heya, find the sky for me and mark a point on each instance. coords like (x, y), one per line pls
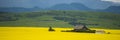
(95, 4)
(115, 1)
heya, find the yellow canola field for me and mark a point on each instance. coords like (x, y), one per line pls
(32, 33)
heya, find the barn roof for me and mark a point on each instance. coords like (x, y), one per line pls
(79, 27)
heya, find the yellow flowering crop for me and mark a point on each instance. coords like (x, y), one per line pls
(30, 33)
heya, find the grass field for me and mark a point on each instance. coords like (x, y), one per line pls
(35, 33)
(60, 18)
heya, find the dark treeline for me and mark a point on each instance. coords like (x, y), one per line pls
(6, 16)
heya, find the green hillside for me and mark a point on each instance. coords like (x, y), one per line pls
(60, 18)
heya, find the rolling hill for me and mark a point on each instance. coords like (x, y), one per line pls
(114, 9)
(72, 6)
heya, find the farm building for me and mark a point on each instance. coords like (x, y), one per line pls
(81, 28)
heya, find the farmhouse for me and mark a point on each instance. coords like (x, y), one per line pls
(80, 28)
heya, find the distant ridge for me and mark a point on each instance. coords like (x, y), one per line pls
(72, 6)
(63, 6)
(18, 9)
(114, 9)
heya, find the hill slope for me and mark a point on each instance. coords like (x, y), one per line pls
(19, 9)
(60, 18)
(72, 6)
(114, 9)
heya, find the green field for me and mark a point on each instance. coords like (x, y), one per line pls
(60, 18)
